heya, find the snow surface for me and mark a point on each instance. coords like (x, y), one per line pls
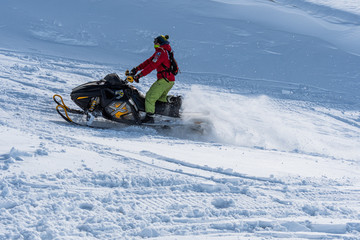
(276, 81)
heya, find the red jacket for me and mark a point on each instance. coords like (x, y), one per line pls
(155, 62)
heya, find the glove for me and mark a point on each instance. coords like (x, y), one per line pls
(133, 71)
(137, 77)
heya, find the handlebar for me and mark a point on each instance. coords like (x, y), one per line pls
(129, 77)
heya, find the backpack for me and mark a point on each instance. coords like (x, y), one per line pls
(174, 68)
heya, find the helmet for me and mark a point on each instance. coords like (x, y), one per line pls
(161, 40)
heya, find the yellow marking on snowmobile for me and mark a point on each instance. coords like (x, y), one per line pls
(64, 107)
(120, 113)
(119, 105)
(81, 98)
(62, 101)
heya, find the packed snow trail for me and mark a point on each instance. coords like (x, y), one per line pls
(63, 181)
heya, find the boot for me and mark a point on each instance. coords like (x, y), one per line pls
(169, 98)
(149, 118)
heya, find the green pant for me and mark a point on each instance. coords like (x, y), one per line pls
(157, 92)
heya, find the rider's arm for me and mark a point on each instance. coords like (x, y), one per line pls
(155, 61)
(146, 62)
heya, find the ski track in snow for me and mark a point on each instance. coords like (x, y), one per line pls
(111, 185)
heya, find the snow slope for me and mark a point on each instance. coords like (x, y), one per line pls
(277, 81)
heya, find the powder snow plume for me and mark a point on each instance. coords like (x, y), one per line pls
(263, 122)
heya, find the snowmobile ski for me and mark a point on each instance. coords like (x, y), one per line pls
(64, 111)
(62, 106)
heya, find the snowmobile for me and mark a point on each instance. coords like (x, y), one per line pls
(113, 99)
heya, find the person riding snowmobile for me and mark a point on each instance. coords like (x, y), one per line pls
(165, 79)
